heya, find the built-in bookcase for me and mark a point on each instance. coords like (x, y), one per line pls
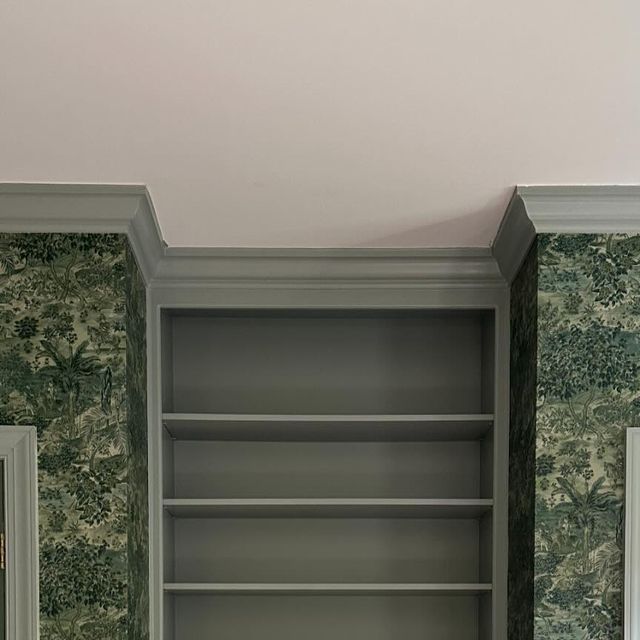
(328, 475)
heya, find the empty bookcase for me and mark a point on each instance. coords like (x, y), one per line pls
(328, 474)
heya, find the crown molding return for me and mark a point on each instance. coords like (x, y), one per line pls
(85, 208)
(514, 237)
(77, 208)
(563, 209)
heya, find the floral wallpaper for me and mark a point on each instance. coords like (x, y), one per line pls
(524, 301)
(72, 362)
(588, 388)
(137, 469)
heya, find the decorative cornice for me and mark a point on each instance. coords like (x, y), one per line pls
(327, 267)
(514, 237)
(582, 209)
(26, 207)
(49, 208)
(563, 209)
(85, 208)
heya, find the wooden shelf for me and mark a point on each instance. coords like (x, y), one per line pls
(327, 508)
(332, 472)
(327, 589)
(327, 428)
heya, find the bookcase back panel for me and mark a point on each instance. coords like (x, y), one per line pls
(324, 617)
(331, 550)
(326, 469)
(402, 363)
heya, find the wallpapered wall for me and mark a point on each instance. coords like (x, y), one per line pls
(588, 393)
(72, 362)
(522, 459)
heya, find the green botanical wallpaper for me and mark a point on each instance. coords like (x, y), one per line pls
(522, 463)
(138, 505)
(72, 362)
(588, 379)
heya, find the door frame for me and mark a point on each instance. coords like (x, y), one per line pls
(18, 450)
(632, 537)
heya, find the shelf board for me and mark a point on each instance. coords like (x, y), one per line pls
(471, 589)
(327, 508)
(327, 428)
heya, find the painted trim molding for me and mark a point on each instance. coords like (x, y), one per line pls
(632, 537)
(29, 207)
(563, 209)
(326, 267)
(18, 450)
(515, 235)
(64, 208)
(583, 209)
(85, 208)
(39, 207)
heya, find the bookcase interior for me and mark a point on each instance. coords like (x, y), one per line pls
(328, 473)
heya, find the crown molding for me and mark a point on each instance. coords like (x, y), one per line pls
(85, 208)
(563, 209)
(128, 209)
(515, 235)
(582, 209)
(198, 267)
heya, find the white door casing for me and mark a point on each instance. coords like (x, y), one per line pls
(632, 537)
(18, 449)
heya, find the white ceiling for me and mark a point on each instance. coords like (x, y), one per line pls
(319, 123)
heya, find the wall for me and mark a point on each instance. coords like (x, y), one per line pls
(524, 299)
(588, 384)
(72, 362)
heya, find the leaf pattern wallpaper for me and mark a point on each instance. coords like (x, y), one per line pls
(522, 448)
(588, 393)
(73, 363)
